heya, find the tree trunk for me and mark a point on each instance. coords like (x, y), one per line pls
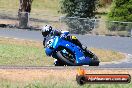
(23, 20)
(23, 13)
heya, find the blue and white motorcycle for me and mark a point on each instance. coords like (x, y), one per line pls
(68, 53)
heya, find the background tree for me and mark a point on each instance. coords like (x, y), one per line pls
(23, 12)
(121, 11)
(103, 3)
(79, 9)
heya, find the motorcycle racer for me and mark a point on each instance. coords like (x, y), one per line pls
(49, 33)
(48, 30)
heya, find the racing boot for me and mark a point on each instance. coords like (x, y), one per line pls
(58, 63)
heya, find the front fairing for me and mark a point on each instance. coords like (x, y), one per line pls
(51, 45)
(48, 51)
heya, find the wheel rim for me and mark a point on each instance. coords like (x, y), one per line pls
(65, 53)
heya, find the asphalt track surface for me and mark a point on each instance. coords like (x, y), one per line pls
(62, 68)
(121, 44)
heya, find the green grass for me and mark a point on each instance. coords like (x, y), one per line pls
(50, 84)
(23, 55)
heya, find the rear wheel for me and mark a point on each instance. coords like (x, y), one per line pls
(94, 59)
(94, 63)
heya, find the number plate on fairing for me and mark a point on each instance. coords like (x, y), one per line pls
(50, 43)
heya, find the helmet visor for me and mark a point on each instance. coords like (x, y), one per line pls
(45, 33)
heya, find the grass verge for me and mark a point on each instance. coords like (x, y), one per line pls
(108, 55)
(31, 53)
(38, 84)
(23, 53)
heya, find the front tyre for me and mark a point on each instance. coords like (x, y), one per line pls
(68, 57)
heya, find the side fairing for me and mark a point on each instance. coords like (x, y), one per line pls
(51, 45)
(56, 42)
(80, 57)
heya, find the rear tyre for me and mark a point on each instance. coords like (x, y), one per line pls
(94, 59)
(94, 63)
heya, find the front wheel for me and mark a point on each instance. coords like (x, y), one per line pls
(66, 56)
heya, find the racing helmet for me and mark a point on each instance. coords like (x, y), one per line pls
(46, 30)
